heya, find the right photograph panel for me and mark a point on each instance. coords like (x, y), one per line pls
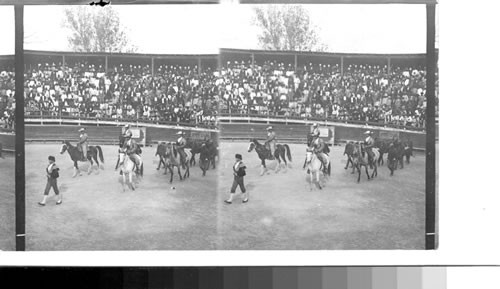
(323, 128)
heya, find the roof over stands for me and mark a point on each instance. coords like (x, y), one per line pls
(135, 55)
(312, 53)
(132, 2)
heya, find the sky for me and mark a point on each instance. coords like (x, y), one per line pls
(203, 29)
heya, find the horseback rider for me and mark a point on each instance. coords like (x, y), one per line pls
(271, 140)
(83, 143)
(132, 151)
(181, 144)
(314, 131)
(369, 143)
(127, 133)
(318, 147)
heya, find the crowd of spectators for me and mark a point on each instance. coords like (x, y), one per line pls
(7, 104)
(176, 94)
(364, 93)
(185, 94)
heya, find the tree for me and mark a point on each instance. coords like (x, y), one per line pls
(96, 29)
(287, 27)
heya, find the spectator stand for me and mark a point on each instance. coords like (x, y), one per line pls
(145, 87)
(368, 89)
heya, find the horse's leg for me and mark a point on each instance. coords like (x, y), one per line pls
(278, 166)
(159, 164)
(89, 170)
(77, 169)
(124, 181)
(171, 173)
(352, 163)
(131, 180)
(359, 172)
(317, 179)
(366, 170)
(347, 164)
(263, 165)
(311, 179)
(179, 172)
(186, 172)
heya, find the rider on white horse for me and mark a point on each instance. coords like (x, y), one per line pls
(83, 143)
(271, 140)
(131, 150)
(318, 147)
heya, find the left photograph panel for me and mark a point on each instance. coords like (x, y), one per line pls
(7, 130)
(120, 127)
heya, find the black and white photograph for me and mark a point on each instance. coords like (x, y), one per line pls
(325, 106)
(120, 127)
(7, 130)
(224, 127)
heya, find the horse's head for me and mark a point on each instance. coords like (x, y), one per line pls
(251, 146)
(169, 149)
(121, 155)
(64, 147)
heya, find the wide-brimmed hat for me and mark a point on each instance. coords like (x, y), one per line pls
(269, 128)
(368, 132)
(127, 125)
(238, 156)
(52, 158)
(180, 133)
(82, 129)
(315, 124)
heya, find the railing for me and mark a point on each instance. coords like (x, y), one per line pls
(224, 116)
(52, 116)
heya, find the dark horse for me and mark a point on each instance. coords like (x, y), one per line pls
(265, 154)
(360, 158)
(408, 150)
(349, 151)
(383, 148)
(77, 156)
(205, 158)
(394, 156)
(196, 148)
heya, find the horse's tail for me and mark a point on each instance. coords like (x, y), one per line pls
(288, 152)
(101, 156)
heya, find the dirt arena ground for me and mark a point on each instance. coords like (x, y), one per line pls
(384, 213)
(7, 203)
(97, 215)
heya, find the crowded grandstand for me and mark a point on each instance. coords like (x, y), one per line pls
(7, 106)
(179, 89)
(184, 93)
(323, 87)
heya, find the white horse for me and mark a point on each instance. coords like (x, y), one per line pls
(127, 168)
(315, 167)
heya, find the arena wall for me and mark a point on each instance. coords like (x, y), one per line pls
(297, 133)
(105, 134)
(8, 142)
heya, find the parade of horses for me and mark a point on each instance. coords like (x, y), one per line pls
(127, 192)
(363, 193)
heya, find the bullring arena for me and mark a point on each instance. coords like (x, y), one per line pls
(97, 215)
(7, 195)
(283, 213)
